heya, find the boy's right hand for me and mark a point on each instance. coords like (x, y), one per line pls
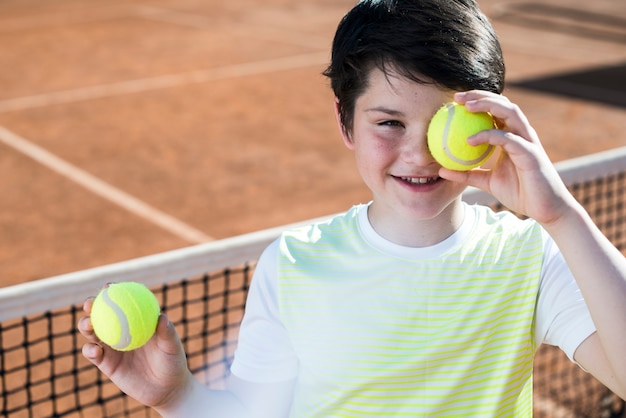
(155, 374)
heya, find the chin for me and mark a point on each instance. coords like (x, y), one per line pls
(420, 211)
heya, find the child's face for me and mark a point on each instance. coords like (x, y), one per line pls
(389, 140)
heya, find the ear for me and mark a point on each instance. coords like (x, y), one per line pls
(345, 135)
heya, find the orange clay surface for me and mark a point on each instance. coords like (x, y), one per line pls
(214, 115)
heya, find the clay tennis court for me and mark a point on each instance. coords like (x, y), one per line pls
(134, 127)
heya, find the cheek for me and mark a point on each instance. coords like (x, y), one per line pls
(374, 149)
(381, 150)
(374, 157)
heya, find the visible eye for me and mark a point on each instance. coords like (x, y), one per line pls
(391, 123)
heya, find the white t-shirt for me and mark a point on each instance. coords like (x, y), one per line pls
(265, 352)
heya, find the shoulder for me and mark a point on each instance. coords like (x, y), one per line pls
(490, 216)
(503, 222)
(321, 244)
(328, 229)
(505, 236)
(302, 235)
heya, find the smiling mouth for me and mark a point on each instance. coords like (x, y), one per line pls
(420, 180)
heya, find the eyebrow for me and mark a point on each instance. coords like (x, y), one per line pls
(388, 111)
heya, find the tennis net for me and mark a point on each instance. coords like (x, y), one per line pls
(203, 289)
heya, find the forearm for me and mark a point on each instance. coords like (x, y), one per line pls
(194, 400)
(600, 271)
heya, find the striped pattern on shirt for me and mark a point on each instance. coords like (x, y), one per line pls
(380, 335)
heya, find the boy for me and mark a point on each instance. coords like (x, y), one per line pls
(414, 304)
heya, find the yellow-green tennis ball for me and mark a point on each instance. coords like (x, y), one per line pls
(447, 137)
(125, 315)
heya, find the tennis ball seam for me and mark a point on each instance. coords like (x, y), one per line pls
(125, 335)
(447, 135)
(451, 110)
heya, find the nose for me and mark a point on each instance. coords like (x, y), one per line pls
(415, 150)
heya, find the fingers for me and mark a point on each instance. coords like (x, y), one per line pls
(509, 116)
(86, 329)
(84, 323)
(514, 134)
(105, 358)
(93, 352)
(88, 304)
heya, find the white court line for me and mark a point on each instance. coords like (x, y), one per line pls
(165, 81)
(106, 190)
(103, 189)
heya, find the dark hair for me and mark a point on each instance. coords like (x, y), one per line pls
(446, 42)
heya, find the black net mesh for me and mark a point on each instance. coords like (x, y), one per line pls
(43, 373)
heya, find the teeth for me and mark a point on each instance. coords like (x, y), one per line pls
(419, 180)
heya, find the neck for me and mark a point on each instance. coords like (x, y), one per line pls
(415, 231)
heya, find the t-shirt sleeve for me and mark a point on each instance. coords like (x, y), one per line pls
(264, 352)
(562, 319)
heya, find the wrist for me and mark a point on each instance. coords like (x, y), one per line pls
(194, 400)
(572, 220)
(183, 399)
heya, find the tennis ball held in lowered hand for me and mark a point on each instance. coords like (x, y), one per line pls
(447, 137)
(124, 315)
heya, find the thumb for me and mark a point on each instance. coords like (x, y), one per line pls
(166, 336)
(477, 177)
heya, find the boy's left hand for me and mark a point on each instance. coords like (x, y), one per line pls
(523, 177)
(524, 180)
